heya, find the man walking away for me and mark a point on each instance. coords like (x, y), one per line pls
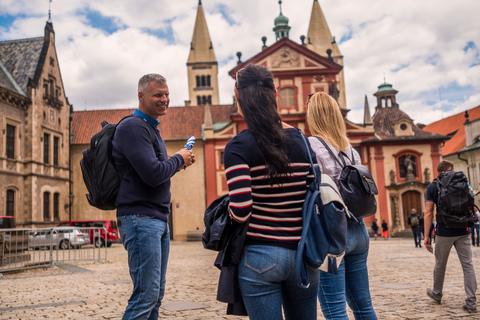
(143, 200)
(414, 222)
(446, 238)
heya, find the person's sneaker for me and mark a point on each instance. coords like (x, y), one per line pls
(469, 310)
(435, 297)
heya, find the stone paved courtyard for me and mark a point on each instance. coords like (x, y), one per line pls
(399, 277)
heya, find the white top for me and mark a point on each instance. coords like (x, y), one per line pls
(327, 164)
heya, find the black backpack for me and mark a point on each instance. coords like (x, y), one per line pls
(99, 172)
(357, 187)
(455, 204)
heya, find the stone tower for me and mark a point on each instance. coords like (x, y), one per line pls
(320, 40)
(202, 64)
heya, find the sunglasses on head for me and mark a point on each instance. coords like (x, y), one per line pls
(308, 97)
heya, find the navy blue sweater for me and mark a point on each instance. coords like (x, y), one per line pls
(145, 188)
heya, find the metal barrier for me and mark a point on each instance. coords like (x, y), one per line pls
(41, 248)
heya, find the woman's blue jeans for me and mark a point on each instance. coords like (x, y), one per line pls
(351, 282)
(267, 281)
(147, 241)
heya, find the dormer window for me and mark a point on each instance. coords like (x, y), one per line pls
(403, 127)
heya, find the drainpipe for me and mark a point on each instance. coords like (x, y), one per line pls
(468, 169)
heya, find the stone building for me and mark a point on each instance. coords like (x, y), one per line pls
(35, 120)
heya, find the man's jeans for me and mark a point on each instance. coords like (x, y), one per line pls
(475, 228)
(417, 236)
(351, 283)
(147, 241)
(443, 245)
(267, 281)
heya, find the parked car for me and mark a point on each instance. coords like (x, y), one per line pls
(7, 222)
(60, 237)
(98, 237)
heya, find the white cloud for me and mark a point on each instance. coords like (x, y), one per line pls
(419, 46)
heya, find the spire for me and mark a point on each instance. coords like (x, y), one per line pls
(49, 12)
(201, 48)
(319, 37)
(367, 117)
(281, 28)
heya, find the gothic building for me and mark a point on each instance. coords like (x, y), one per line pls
(35, 119)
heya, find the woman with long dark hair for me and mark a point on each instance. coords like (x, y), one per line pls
(326, 122)
(268, 171)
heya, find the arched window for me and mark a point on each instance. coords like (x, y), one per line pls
(389, 102)
(204, 100)
(383, 102)
(46, 206)
(208, 81)
(199, 101)
(209, 99)
(203, 81)
(198, 81)
(56, 206)
(287, 97)
(10, 209)
(10, 142)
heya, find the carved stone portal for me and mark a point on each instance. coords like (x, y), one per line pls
(396, 217)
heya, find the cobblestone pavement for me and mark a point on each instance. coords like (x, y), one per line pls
(399, 276)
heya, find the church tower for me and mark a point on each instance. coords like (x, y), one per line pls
(281, 29)
(202, 64)
(320, 40)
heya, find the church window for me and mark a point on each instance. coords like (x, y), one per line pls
(203, 81)
(56, 206)
(10, 209)
(198, 81)
(199, 100)
(56, 142)
(46, 206)
(208, 81)
(209, 99)
(204, 100)
(46, 147)
(10, 142)
(287, 97)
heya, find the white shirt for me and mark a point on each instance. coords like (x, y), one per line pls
(329, 165)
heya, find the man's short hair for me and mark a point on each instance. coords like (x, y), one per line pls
(444, 166)
(146, 79)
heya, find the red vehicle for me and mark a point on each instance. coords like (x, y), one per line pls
(97, 237)
(7, 222)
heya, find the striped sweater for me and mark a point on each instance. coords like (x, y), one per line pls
(275, 211)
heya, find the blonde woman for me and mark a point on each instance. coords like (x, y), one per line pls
(326, 122)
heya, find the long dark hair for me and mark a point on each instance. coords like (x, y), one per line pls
(256, 96)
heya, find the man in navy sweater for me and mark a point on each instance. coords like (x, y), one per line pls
(143, 200)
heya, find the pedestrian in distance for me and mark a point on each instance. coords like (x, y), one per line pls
(351, 284)
(446, 237)
(476, 229)
(385, 229)
(375, 229)
(143, 200)
(268, 172)
(414, 222)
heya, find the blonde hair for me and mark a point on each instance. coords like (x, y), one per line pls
(325, 120)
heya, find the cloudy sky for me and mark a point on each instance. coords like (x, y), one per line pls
(428, 50)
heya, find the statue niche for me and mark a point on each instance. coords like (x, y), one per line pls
(408, 167)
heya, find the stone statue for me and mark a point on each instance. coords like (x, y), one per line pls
(286, 58)
(426, 172)
(409, 168)
(393, 178)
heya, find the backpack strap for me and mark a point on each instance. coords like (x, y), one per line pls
(331, 152)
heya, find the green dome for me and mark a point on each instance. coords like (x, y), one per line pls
(281, 20)
(385, 87)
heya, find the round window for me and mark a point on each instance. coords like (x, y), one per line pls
(403, 126)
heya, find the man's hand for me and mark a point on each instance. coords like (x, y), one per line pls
(426, 242)
(188, 157)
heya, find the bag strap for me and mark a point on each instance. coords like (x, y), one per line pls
(331, 152)
(317, 178)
